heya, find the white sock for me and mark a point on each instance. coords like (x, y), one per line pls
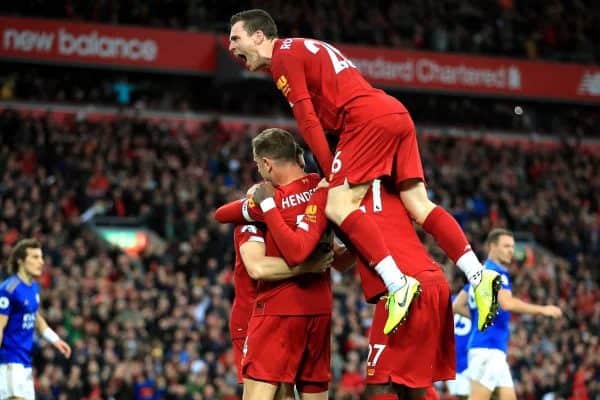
(393, 278)
(470, 265)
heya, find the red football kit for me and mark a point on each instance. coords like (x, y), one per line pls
(245, 292)
(422, 350)
(292, 317)
(327, 91)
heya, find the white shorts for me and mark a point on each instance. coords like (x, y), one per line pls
(16, 381)
(489, 368)
(460, 386)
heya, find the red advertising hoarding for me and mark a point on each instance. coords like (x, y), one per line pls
(480, 75)
(144, 48)
(63, 41)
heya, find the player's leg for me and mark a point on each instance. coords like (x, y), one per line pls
(264, 371)
(285, 392)
(438, 222)
(16, 382)
(383, 391)
(314, 371)
(315, 393)
(506, 393)
(258, 390)
(342, 208)
(479, 391)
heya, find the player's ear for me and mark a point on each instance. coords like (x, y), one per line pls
(259, 36)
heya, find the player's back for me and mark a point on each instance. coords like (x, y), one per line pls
(307, 294)
(307, 68)
(387, 210)
(244, 286)
(20, 302)
(497, 335)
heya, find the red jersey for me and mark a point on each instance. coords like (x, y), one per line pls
(308, 294)
(244, 286)
(387, 211)
(312, 69)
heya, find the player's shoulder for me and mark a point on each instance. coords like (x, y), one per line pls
(10, 284)
(290, 45)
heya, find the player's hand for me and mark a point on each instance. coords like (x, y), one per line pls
(318, 261)
(263, 191)
(552, 311)
(63, 347)
(251, 190)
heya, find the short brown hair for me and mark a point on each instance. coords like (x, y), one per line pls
(256, 20)
(19, 252)
(277, 144)
(495, 234)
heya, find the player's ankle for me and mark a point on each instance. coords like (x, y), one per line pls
(470, 265)
(391, 275)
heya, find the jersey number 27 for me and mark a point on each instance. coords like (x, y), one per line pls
(338, 60)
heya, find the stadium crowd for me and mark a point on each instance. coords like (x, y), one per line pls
(559, 30)
(148, 91)
(155, 326)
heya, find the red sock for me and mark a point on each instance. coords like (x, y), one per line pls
(384, 396)
(365, 236)
(447, 233)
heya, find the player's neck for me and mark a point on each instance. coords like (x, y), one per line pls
(25, 277)
(288, 174)
(266, 50)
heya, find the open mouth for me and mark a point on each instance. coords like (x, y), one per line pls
(243, 57)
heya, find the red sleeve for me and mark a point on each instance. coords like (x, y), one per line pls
(297, 244)
(313, 134)
(248, 233)
(287, 70)
(238, 212)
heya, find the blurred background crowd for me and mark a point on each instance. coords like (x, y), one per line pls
(558, 29)
(154, 326)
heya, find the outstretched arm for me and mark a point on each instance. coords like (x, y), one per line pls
(47, 333)
(509, 303)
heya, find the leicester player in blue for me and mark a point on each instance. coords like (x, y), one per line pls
(488, 369)
(19, 316)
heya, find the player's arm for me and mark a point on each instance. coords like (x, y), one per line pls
(47, 333)
(460, 304)
(296, 244)
(509, 303)
(3, 322)
(260, 266)
(238, 212)
(313, 134)
(289, 77)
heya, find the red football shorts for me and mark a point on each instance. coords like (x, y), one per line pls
(384, 146)
(421, 351)
(289, 349)
(238, 356)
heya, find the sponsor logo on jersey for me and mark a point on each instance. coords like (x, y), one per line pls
(4, 302)
(311, 213)
(283, 85)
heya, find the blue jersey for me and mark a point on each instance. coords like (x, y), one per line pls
(496, 336)
(20, 302)
(462, 331)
